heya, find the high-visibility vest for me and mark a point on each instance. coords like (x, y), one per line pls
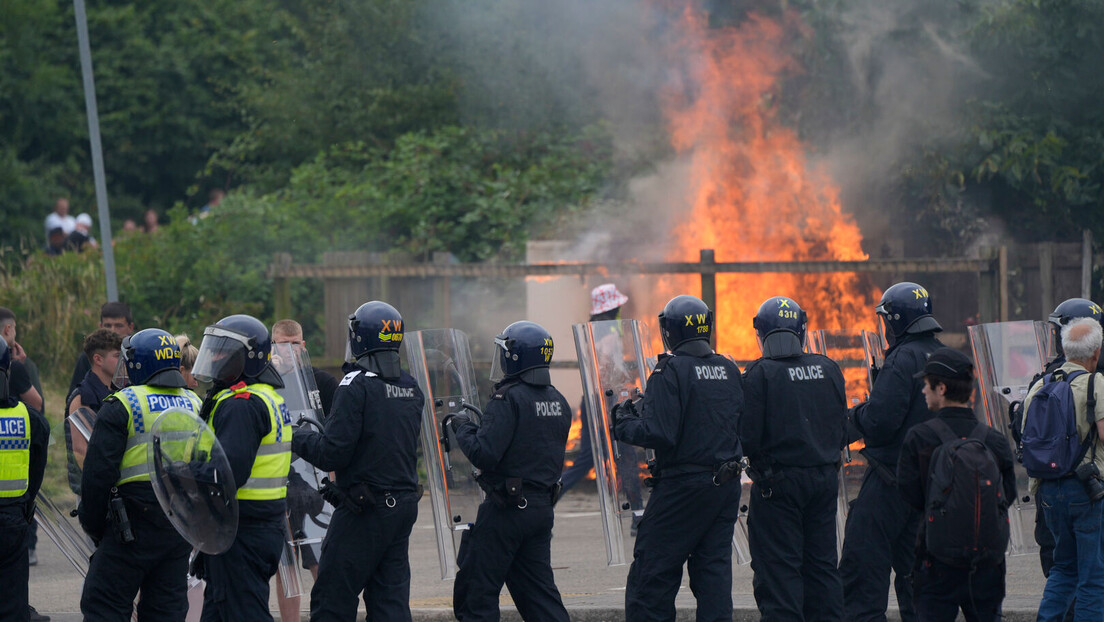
(144, 404)
(15, 450)
(268, 477)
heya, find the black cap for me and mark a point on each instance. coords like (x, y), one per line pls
(948, 363)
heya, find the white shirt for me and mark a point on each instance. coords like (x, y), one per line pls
(67, 223)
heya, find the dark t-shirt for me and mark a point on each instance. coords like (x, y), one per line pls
(19, 381)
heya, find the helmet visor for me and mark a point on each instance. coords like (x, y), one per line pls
(121, 379)
(499, 352)
(221, 356)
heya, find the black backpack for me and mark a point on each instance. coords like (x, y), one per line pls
(965, 514)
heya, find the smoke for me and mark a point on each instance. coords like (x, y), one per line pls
(896, 72)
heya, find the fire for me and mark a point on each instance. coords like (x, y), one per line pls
(754, 196)
(574, 436)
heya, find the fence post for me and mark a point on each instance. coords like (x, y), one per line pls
(281, 285)
(709, 287)
(988, 288)
(1086, 264)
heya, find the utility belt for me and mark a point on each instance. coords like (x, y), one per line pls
(722, 473)
(361, 496)
(517, 493)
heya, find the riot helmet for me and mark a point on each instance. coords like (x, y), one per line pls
(906, 308)
(685, 318)
(375, 334)
(1069, 310)
(234, 348)
(5, 370)
(780, 327)
(523, 350)
(149, 356)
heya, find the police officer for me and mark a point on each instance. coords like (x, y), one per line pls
(149, 555)
(689, 416)
(253, 426)
(371, 443)
(881, 528)
(1065, 312)
(792, 431)
(519, 447)
(24, 434)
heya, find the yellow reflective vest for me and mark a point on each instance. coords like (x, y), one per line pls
(144, 404)
(268, 477)
(15, 450)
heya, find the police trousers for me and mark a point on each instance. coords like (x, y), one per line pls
(156, 563)
(511, 546)
(792, 538)
(688, 521)
(14, 571)
(366, 553)
(237, 580)
(880, 537)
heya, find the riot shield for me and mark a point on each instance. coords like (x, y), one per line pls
(64, 532)
(441, 362)
(79, 429)
(300, 392)
(855, 351)
(308, 514)
(613, 364)
(192, 479)
(1008, 355)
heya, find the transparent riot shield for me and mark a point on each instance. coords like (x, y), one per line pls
(440, 360)
(855, 351)
(78, 430)
(64, 531)
(1008, 355)
(300, 392)
(308, 513)
(614, 365)
(192, 479)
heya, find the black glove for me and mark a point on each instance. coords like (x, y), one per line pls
(619, 411)
(455, 420)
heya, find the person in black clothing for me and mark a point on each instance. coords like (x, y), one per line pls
(880, 535)
(942, 589)
(792, 431)
(114, 316)
(155, 557)
(102, 347)
(254, 428)
(24, 435)
(519, 447)
(371, 444)
(690, 416)
(21, 384)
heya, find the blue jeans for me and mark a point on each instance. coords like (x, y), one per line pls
(1078, 567)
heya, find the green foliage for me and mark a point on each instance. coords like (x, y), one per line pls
(476, 194)
(57, 302)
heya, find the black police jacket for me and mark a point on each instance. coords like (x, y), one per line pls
(795, 412)
(371, 433)
(40, 439)
(896, 402)
(523, 433)
(914, 465)
(101, 471)
(240, 424)
(690, 413)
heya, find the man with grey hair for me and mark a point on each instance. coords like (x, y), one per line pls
(1072, 514)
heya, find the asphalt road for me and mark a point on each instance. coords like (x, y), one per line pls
(591, 589)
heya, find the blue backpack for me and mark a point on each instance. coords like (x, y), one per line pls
(1051, 446)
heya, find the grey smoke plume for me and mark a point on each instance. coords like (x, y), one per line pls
(534, 64)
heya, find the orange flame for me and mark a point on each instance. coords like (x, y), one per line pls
(754, 196)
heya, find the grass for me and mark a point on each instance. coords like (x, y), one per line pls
(55, 483)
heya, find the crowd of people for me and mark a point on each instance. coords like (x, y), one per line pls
(932, 509)
(65, 232)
